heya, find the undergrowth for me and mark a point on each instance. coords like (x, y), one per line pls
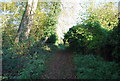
(94, 67)
(30, 65)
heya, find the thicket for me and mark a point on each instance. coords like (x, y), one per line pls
(85, 37)
(26, 59)
(90, 39)
(98, 36)
(94, 67)
(24, 63)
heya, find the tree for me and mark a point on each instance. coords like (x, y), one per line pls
(10, 18)
(27, 20)
(105, 14)
(53, 10)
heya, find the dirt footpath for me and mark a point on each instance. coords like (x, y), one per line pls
(60, 66)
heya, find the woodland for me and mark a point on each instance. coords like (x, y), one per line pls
(31, 48)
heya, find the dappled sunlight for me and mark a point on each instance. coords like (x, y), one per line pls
(46, 48)
(63, 39)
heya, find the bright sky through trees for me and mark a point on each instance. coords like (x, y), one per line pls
(68, 18)
(71, 0)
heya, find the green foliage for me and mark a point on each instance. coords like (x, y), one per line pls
(34, 68)
(94, 67)
(114, 40)
(11, 63)
(105, 14)
(76, 37)
(88, 36)
(45, 20)
(52, 18)
(25, 60)
(52, 39)
(29, 65)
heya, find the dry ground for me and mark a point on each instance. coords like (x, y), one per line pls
(60, 66)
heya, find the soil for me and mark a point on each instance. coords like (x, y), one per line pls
(60, 66)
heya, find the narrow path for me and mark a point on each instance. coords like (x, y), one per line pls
(60, 66)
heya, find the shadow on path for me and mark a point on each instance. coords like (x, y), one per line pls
(60, 66)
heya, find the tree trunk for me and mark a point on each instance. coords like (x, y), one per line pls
(43, 42)
(27, 21)
(119, 14)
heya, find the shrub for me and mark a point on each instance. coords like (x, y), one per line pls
(25, 65)
(94, 67)
(114, 41)
(52, 39)
(33, 69)
(11, 63)
(88, 36)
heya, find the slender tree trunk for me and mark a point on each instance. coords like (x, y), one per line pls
(119, 13)
(43, 42)
(27, 21)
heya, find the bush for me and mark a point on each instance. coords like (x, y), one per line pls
(11, 63)
(52, 39)
(33, 69)
(25, 65)
(86, 37)
(94, 67)
(114, 41)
